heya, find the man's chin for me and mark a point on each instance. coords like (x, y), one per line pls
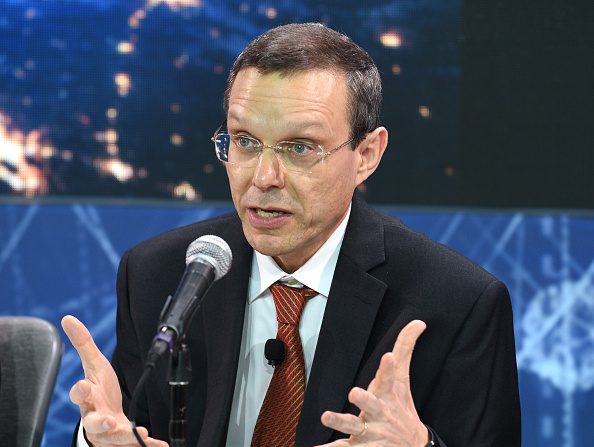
(269, 245)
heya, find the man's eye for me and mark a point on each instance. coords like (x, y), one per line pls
(246, 142)
(299, 148)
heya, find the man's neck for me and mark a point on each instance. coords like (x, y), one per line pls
(290, 263)
(316, 273)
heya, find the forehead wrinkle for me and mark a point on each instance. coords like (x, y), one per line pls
(277, 85)
(282, 97)
(266, 101)
(280, 105)
(276, 105)
(290, 125)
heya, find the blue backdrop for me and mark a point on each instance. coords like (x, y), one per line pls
(57, 259)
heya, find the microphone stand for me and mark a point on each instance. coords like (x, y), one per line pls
(180, 372)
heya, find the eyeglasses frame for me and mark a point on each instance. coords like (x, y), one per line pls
(322, 154)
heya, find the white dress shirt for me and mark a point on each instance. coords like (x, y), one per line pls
(253, 372)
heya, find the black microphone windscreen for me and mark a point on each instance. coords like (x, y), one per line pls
(274, 351)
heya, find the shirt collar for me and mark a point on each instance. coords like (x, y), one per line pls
(316, 273)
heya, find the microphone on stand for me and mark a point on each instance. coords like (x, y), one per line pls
(208, 258)
(274, 351)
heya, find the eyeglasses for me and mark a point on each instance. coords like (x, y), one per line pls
(244, 151)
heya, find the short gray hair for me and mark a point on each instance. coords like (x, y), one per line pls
(293, 48)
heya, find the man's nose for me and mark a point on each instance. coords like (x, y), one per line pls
(269, 172)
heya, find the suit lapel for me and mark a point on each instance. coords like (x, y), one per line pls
(223, 314)
(353, 302)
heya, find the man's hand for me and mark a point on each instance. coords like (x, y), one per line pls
(99, 396)
(388, 415)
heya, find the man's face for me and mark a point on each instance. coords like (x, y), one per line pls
(284, 214)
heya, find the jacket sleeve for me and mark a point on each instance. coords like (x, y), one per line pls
(126, 359)
(475, 401)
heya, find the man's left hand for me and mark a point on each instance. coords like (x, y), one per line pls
(388, 415)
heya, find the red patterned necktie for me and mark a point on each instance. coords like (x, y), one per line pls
(277, 422)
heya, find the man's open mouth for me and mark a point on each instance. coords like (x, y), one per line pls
(268, 213)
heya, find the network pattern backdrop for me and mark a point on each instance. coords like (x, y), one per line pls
(59, 259)
(120, 98)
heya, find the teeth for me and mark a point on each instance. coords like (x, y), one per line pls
(263, 213)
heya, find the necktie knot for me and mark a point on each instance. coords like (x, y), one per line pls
(290, 301)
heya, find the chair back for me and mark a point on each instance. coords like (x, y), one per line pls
(30, 354)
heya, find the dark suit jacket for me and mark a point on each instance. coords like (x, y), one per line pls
(463, 373)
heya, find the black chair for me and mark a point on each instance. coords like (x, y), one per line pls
(30, 354)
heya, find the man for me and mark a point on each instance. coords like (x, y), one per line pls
(302, 132)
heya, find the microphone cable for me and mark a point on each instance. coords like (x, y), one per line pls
(148, 369)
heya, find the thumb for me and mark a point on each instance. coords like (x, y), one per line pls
(91, 357)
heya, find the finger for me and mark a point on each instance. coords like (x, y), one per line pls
(79, 395)
(80, 337)
(151, 442)
(373, 384)
(345, 423)
(98, 424)
(122, 434)
(339, 443)
(367, 402)
(395, 366)
(404, 346)
(117, 434)
(128, 440)
(383, 382)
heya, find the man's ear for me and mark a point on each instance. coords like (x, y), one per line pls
(371, 150)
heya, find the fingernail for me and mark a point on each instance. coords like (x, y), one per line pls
(106, 425)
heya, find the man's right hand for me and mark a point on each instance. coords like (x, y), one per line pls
(98, 395)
